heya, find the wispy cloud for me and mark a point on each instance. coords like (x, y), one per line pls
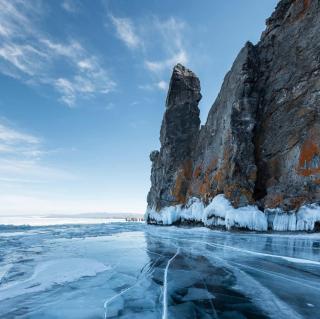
(162, 38)
(10, 136)
(24, 59)
(167, 34)
(126, 31)
(30, 185)
(15, 144)
(161, 65)
(30, 55)
(70, 50)
(162, 85)
(21, 157)
(69, 6)
(67, 90)
(171, 33)
(88, 82)
(16, 16)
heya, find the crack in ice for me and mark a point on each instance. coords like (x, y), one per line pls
(108, 301)
(165, 286)
(287, 258)
(105, 305)
(283, 277)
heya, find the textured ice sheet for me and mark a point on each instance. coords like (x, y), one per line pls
(53, 272)
(143, 271)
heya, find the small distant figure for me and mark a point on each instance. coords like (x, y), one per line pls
(134, 219)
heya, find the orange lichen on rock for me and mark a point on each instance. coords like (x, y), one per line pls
(235, 192)
(273, 200)
(297, 202)
(225, 169)
(205, 186)
(180, 188)
(304, 5)
(309, 158)
(197, 171)
(219, 176)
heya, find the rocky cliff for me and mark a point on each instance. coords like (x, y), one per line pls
(260, 145)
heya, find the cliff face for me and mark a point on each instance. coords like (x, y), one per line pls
(287, 134)
(261, 142)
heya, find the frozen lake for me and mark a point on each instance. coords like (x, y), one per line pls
(132, 270)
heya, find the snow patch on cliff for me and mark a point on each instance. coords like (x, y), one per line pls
(220, 213)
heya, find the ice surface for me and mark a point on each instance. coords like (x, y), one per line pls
(220, 213)
(197, 293)
(46, 221)
(3, 271)
(133, 271)
(53, 272)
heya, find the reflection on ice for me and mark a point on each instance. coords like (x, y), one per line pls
(140, 271)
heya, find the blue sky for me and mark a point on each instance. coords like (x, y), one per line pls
(83, 86)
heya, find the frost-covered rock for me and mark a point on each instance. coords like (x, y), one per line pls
(194, 211)
(304, 219)
(220, 213)
(168, 215)
(307, 217)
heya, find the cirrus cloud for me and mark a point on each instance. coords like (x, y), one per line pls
(29, 54)
(126, 31)
(163, 37)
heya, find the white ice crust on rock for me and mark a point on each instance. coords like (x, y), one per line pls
(220, 213)
(303, 220)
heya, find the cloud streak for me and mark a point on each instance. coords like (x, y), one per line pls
(69, 6)
(126, 32)
(21, 158)
(9, 136)
(161, 65)
(169, 35)
(170, 32)
(166, 36)
(30, 55)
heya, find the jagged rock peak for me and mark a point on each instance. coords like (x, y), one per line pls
(184, 87)
(180, 69)
(172, 166)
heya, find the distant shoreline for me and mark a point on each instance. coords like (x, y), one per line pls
(65, 220)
